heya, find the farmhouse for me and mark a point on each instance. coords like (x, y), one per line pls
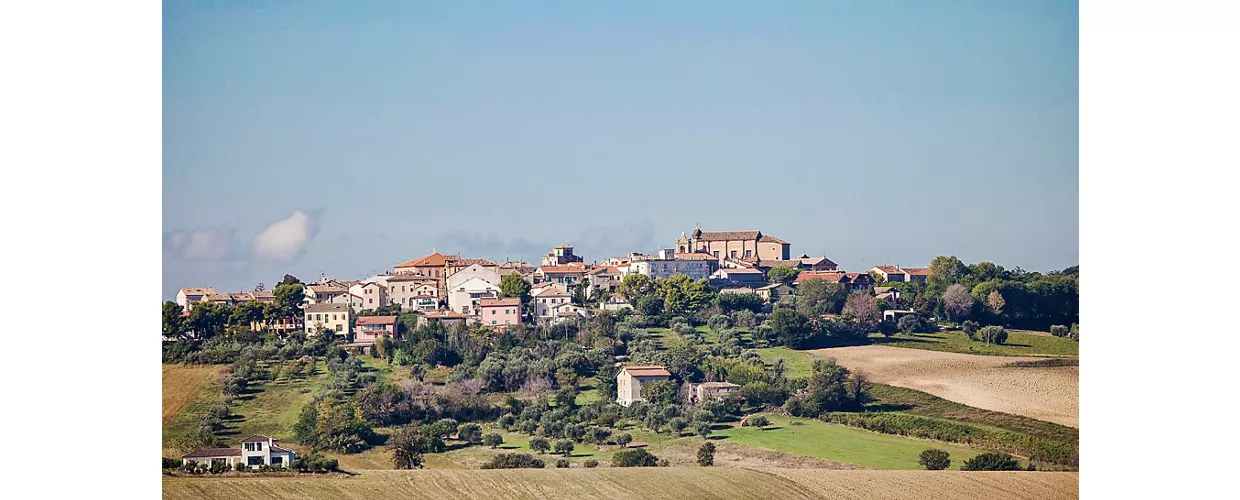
(630, 379)
(704, 391)
(187, 297)
(254, 451)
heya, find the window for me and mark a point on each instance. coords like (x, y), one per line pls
(716, 252)
(370, 301)
(249, 446)
(492, 312)
(748, 253)
(492, 322)
(276, 460)
(338, 328)
(733, 254)
(256, 460)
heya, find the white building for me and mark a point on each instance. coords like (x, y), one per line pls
(187, 297)
(255, 450)
(665, 265)
(630, 379)
(546, 302)
(464, 297)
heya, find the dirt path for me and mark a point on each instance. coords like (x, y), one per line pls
(1050, 394)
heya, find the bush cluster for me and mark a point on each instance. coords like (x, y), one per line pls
(903, 424)
(514, 461)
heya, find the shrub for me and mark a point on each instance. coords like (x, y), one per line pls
(172, 463)
(933, 459)
(991, 460)
(718, 323)
(561, 463)
(540, 444)
(514, 461)
(637, 457)
(624, 439)
(471, 433)
(1059, 331)
(758, 421)
(992, 335)
(706, 454)
(493, 440)
(1075, 332)
(970, 328)
(591, 463)
(564, 447)
(663, 463)
(908, 324)
(314, 463)
(219, 411)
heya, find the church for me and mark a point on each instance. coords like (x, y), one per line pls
(741, 245)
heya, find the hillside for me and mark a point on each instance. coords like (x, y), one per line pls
(678, 482)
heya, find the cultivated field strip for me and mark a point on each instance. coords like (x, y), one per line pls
(657, 483)
(988, 382)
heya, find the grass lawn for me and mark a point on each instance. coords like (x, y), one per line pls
(891, 398)
(797, 364)
(1018, 344)
(182, 384)
(814, 438)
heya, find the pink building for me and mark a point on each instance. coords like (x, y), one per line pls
(370, 328)
(499, 312)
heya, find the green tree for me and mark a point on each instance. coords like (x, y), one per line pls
(993, 335)
(564, 447)
(908, 324)
(970, 329)
(675, 301)
(174, 325)
(514, 461)
(635, 286)
(208, 319)
(407, 445)
(637, 457)
(540, 444)
(991, 460)
(663, 392)
(783, 275)
(562, 463)
(624, 439)
(706, 454)
(818, 296)
(514, 285)
(648, 306)
(702, 429)
(493, 439)
(828, 389)
(289, 280)
(288, 299)
(791, 328)
(759, 421)
(246, 313)
(470, 433)
(1059, 330)
(933, 459)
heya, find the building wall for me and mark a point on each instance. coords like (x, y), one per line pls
(403, 292)
(773, 251)
(543, 305)
(374, 297)
(335, 321)
(629, 388)
(461, 298)
(371, 333)
(501, 315)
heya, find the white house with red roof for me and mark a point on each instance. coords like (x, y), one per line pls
(630, 379)
(255, 450)
(546, 302)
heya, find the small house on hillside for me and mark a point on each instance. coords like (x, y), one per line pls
(254, 451)
(630, 379)
(699, 393)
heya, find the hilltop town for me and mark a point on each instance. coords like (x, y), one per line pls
(450, 359)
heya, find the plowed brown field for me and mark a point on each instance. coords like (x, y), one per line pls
(988, 382)
(637, 483)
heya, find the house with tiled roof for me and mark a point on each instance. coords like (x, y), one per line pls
(413, 292)
(546, 301)
(852, 282)
(500, 312)
(603, 279)
(328, 294)
(328, 317)
(772, 292)
(255, 450)
(567, 275)
(445, 316)
(187, 297)
(891, 274)
(370, 328)
(664, 265)
(916, 273)
(631, 378)
(522, 268)
(734, 244)
(706, 391)
(464, 297)
(560, 256)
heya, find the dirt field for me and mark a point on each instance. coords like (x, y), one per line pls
(183, 383)
(1047, 393)
(631, 483)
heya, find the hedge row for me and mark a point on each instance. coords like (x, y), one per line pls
(904, 424)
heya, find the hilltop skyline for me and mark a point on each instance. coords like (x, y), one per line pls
(343, 139)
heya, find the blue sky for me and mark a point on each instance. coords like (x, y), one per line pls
(345, 137)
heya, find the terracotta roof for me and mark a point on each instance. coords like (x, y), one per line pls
(566, 269)
(879, 290)
(350, 282)
(213, 452)
(646, 371)
(740, 271)
(470, 262)
(376, 320)
(889, 269)
(256, 439)
(217, 296)
(553, 293)
(433, 260)
(328, 289)
(728, 235)
(766, 238)
(198, 291)
(325, 307)
(499, 301)
(424, 296)
(566, 245)
(813, 261)
(263, 294)
(605, 270)
(916, 271)
(858, 276)
(834, 276)
(373, 283)
(240, 296)
(410, 277)
(771, 286)
(444, 314)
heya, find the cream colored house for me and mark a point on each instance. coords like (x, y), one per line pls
(187, 297)
(326, 294)
(373, 295)
(705, 391)
(411, 292)
(546, 302)
(255, 450)
(630, 379)
(330, 317)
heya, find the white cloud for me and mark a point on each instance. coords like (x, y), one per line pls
(285, 239)
(199, 243)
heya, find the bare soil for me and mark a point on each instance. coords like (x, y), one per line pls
(988, 382)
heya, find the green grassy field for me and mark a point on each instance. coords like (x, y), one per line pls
(1018, 344)
(814, 438)
(630, 483)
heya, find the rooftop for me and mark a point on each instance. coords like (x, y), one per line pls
(376, 320)
(646, 371)
(324, 307)
(728, 235)
(499, 301)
